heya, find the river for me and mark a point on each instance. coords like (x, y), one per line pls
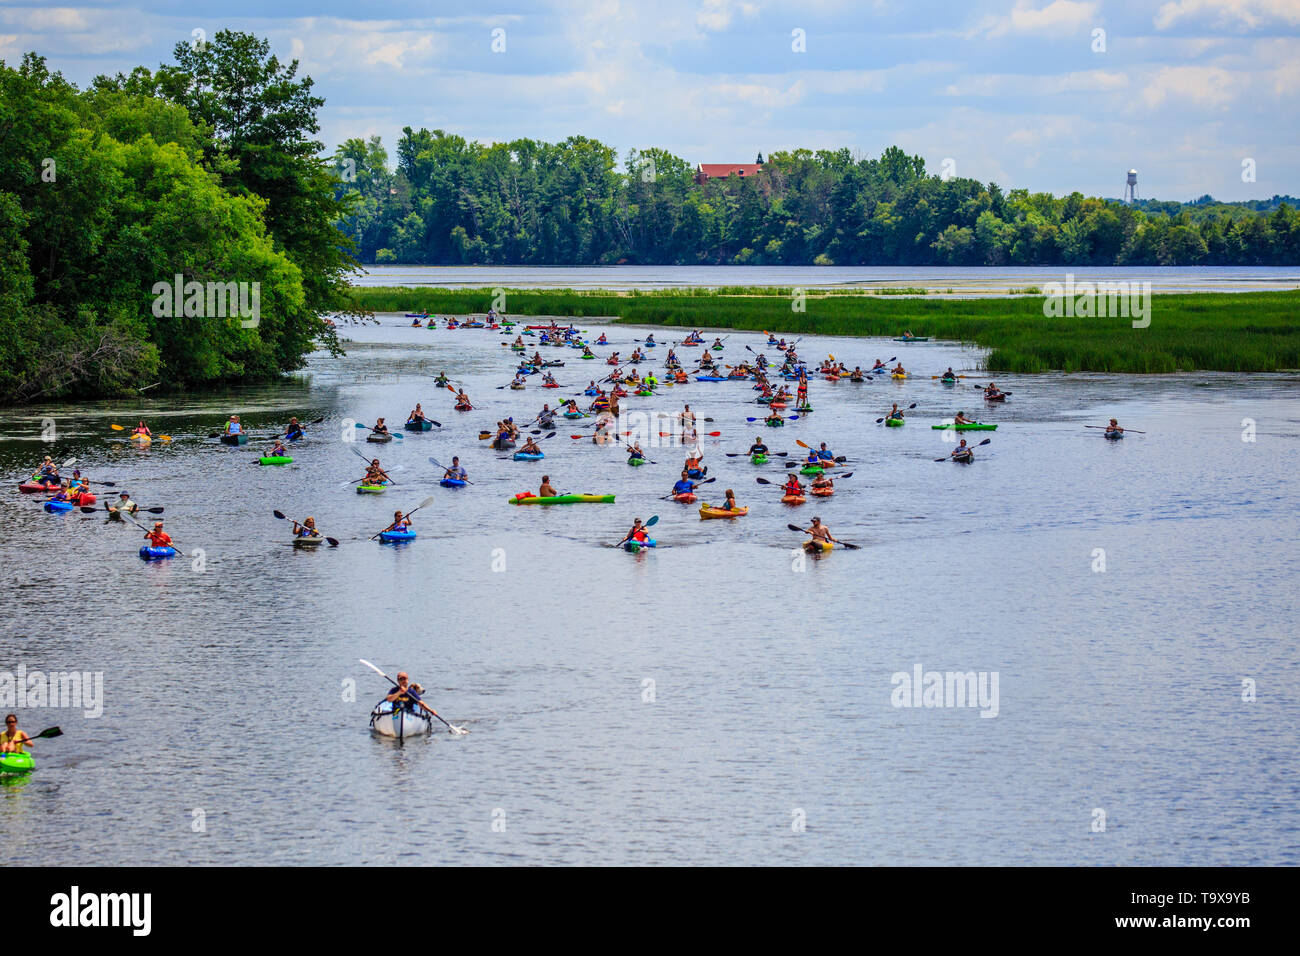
(719, 700)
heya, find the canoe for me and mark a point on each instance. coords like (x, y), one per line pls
(893, 423)
(149, 553)
(398, 722)
(1113, 436)
(815, 546)
(759, 459)
(16, 763)
(378, 489)
(635, 546)
(530, 499)
(418, 426)
(793, 499)
(707, 512)
(59, 506)
(308, 541)
(915, 338)
(453, 483)
(240, 439)
(968, 427)
(275, 460)
(378, 439)
(528, 456)
(811, 469)
(395, 536)
(685, 497)
(822, 492)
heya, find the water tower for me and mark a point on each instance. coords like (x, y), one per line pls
(1131, 187)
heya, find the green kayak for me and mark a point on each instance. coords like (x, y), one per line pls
(275, 460)
(894, 422)
(811, 470)
(562, 500)
(969, 427)
(758, 459)
(372, 489)
(636, 461)
(16, 763)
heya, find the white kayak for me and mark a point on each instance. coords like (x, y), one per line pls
(308, 542)
(399, 723)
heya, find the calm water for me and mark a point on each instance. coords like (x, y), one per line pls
(957, 281)
(1119, 691)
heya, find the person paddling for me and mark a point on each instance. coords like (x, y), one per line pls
(546, 490)
(375, 475)
(894, 412)
(123, 505)
(1114, 427)
(307, 529)
(158, 538)
(992, 392)
(685, 486)
(417, 414)
(961, 419)
(405, 696)
(279, 451)
(141, 429)
(820, 532)
(637, 533)
(233, 426)
(294, 430)
(379, 427)
(530, 448)
(456, 472)
(758, 448)
(400, 523)
(13, 740)
(962, 453)
(792, 486)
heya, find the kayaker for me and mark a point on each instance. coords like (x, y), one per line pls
(1114, 426)
(279, 451)
(417, 414)
(822, 482)
(774, 417)
(894, 412)
(549, 379)
(306, 530)
(456, 471)
(792, 485)
(123, 505)
(635, 453)
(825, 454)
(374, 474)
(671, 360)
(879, 364)
(961, 452)
(758, 448)
(405, 696)
(158, 538)
(650, 340)
(379, 428)
(949, 375)
(462, 400)
(233, 426)
(898, 369)
(546, 491)
(685, 486)
(638, 533)
(961, 419)
(442, 381)
(602, 340)
(64, 493)
(141, 429)
(730, 503)
(992, 391)
(294, 430)
(48, 474)
(546, 417)
(519, 341)
(687, 416)
(717, 343)
(695, 462)
(13, 740)
(400, 523)
(530, 448)
(819, 531)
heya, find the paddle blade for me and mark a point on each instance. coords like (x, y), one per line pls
(50, 732)
(279, 514)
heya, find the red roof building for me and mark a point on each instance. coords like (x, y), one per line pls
(709, 171)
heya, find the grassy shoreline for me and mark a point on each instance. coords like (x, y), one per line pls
(1194, 331)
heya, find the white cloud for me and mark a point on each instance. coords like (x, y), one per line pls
(1209, 86)
(1247, 14)
(716, 15)
(1060, 17)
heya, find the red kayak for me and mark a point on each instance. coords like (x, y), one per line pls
(32, 487)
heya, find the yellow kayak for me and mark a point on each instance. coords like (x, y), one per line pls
(707, 512)
(141, 440)
(815, 545)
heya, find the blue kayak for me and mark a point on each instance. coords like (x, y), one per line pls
(528, 456)
(157, 554)
(710, 378)
(407, 535)
(59, 506)
(453, 483)
(696, 472)
(592, 391)
(635, 546)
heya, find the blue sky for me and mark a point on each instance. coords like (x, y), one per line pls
(1012, 92)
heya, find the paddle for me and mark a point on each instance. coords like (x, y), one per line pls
(650, 522)
(453, 729)
(146, 531)
(1000, 393)
(908, 409)
(356, 451)
(703, 481)
(851, 547)
(793, 418)
(397, 435)
(333, 542)
(152, 511)
(976, 445)
(423, 504)
(434, 461)
(1105, 427)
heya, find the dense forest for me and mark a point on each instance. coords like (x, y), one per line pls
(206, 169)
(451, 201)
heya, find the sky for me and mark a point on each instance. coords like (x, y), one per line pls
(1200, 96)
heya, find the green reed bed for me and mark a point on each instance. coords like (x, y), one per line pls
(1231, 332)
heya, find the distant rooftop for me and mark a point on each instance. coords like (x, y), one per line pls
(723, 170)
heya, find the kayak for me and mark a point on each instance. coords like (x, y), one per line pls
(16, 763)
(149, 553)
(587, 356)
(915, 338)
(999, 397)
(811, 469)
(896, 377)
(275, 460)
(893, 423)
(709, 378)
(774, 422)
(592, 392)
(965, 459)
(573, 414)
(816, 546)
(822, 492)
(528, 456)
(59, 506)
(793, 499)
(969, 427)
(636, 461)
(635, 546)
(378, 439)
(240, 439)
(503, 444)
(947, 381)
(372, 489)
(141, 440)
(308, 541)
(464, 408)
(395, 721)
(1112, 435)
(685, 497)
(707, 512)
(293, 436)
(453, 482)
(776, 405)
(531, 499)
(31, 487)
(394, 536)
(516, 386)
(418, 426)
(758, 459)
(696, 473)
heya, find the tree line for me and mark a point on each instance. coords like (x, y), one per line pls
(451, 201)
(204, 173)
